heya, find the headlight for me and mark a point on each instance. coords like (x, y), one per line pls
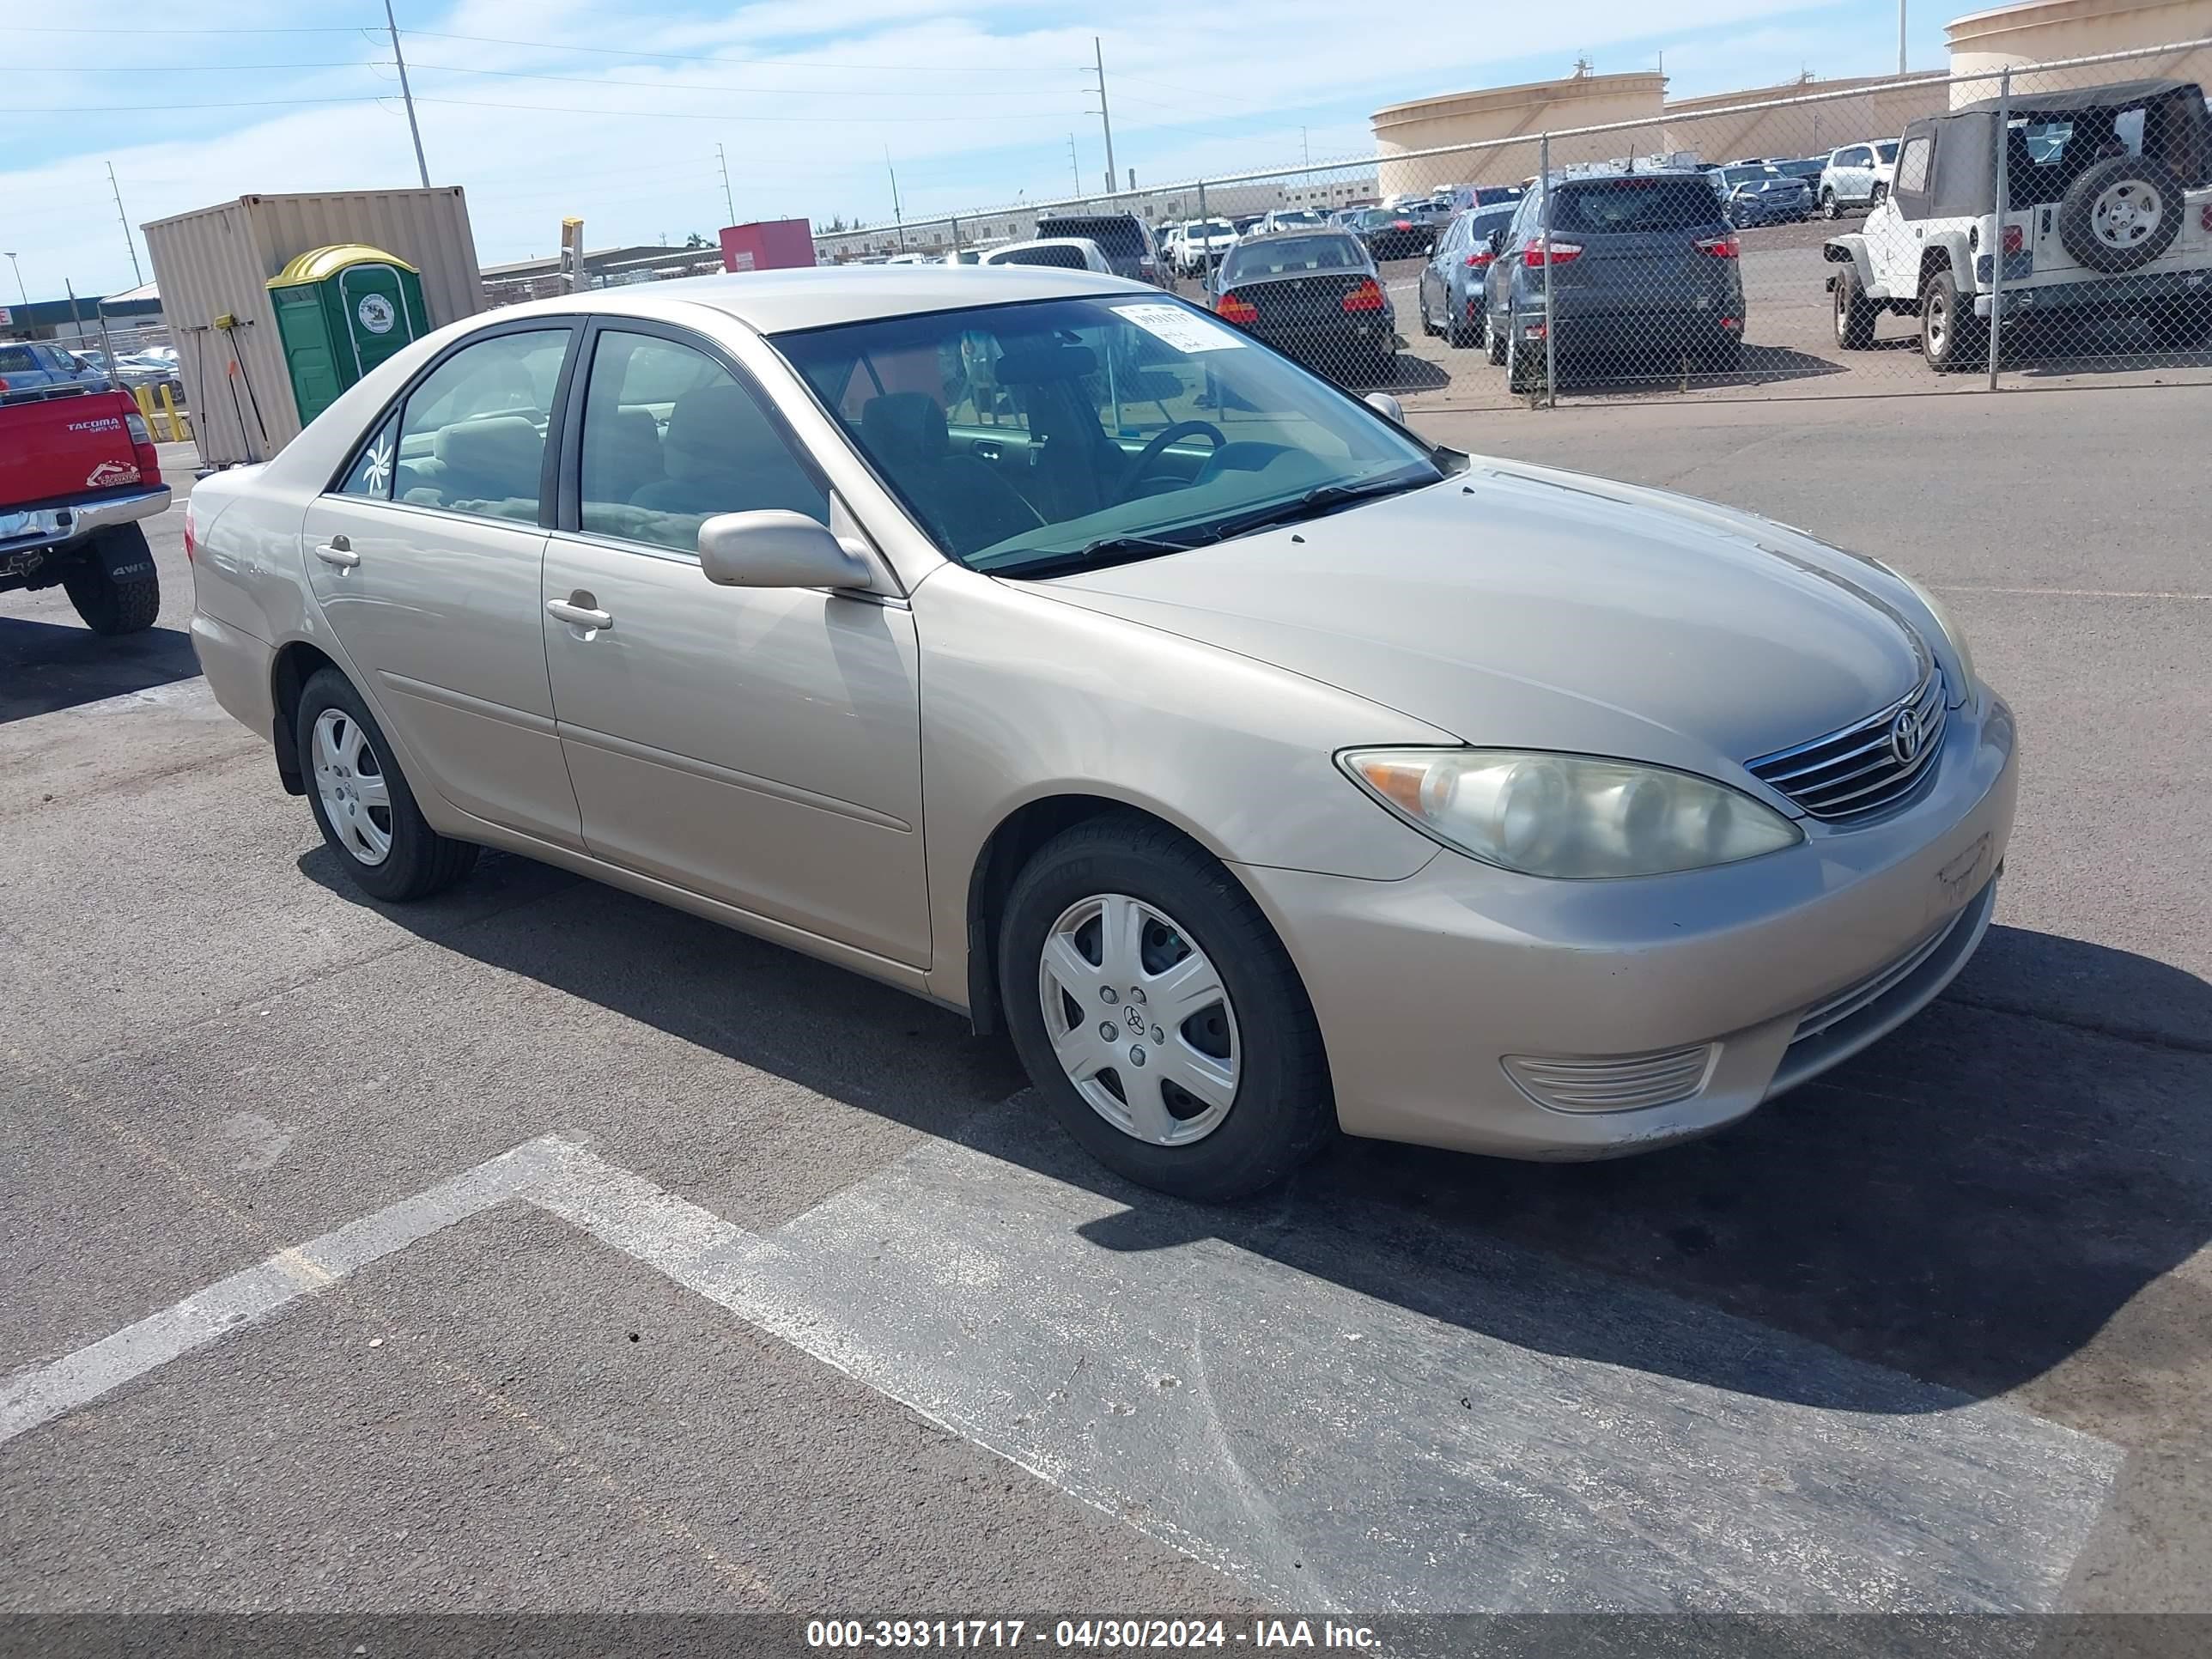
(1568, 815)
(1952, 632)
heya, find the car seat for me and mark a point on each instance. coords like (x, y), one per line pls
(721, 455)
(964, 500)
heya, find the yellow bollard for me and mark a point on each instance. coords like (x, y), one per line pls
(145, 402)
(179, 428)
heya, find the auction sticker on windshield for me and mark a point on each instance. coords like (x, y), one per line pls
(1185, 331)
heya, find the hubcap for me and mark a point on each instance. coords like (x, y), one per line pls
(1936, 325)
(349, 781)
(2126, 213)
(1139, 1020)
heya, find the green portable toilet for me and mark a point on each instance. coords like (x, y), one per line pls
(340, 312)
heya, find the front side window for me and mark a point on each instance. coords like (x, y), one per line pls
(1912, 169)
(1146, 425)
(472, 435)
(1889, 151)
(672, 438)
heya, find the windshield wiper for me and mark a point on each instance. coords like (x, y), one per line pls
(1113, 549)
(1306, 506)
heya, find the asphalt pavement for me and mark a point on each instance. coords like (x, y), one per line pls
(537, 1248)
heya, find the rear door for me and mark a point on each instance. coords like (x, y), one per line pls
(425, 556)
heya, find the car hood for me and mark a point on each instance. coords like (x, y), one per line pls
(1520, 606)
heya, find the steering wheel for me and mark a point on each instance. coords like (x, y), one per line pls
(1152, 452)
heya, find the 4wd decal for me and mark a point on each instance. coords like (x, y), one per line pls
(110, 472)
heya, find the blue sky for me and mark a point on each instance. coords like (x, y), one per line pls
(547, 107)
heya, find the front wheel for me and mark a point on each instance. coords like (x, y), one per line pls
(1828, 208)
(1854, 313)
(113, 583)
(1159, 1015)
(362, 802)
(1880, 195)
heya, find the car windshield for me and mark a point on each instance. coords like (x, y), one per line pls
(1291, 254)
(1621, 206)
(1030, 439)
(1745, 175)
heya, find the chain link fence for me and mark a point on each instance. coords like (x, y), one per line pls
(1919, 233)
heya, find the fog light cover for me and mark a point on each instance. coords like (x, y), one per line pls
(1612, 1083)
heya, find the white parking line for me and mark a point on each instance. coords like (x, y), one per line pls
(1507, 1433)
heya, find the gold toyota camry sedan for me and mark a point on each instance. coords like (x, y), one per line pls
(1028, 640)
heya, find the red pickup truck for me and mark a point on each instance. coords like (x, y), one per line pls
(78, 471)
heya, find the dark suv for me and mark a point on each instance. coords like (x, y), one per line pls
(1643, 266)
(1123, 238)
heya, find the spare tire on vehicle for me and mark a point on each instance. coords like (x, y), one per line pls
(2121, 214)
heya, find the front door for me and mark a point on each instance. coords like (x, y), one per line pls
(426, 560)
(761, 746)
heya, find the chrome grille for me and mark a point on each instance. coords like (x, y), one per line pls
(1612, 1083)
(1866, 767)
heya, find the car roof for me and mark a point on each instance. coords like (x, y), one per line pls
(775, 301)
(2112, 95)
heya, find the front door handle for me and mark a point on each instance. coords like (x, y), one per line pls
(338, 551)
(579, 616)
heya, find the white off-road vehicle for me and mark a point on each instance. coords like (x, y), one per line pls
(2107, 211)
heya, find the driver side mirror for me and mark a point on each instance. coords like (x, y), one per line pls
(777, 549)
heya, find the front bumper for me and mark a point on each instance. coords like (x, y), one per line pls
(1424, 987)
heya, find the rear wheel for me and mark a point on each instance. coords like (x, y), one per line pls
(2182, 327)
(362, 802)
(1723, 356)
(1427, 327)
(109, 604)
(1951, 337)
(1159, 1015)
(1524, 360)
(1463, 324)
(1497, 336)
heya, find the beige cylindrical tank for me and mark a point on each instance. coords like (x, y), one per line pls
(2041, 31)
(1798, 128)
(1518, 111)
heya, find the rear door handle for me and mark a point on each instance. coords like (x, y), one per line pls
(578, 616)
(338, 551)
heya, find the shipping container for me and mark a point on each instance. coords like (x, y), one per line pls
(215, 263)
(767, 245)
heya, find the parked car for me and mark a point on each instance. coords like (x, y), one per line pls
(1458, 196)
(1856, 175)
(1290, 219)
(1761, 195)
(1643, 266)
(1313, 295)
(78, 473)
(1452, 282)
(153, 373)
(1389, 234)
(34, 364)
(1808, 169)
(1125, 239)
(1067, 252)
(1189, 807)
(1204, 241)
(2107, 211)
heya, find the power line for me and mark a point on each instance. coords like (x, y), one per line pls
(687, 85)
(763, 63)
(686, 115)
(109, 30)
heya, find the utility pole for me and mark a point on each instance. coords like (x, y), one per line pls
(137, 277)
(726, 201)
(1900, 39)
(1306, 147)
(19, 289)
(1104, 119)
(407, 97)
(1075, 161)
(897, 217)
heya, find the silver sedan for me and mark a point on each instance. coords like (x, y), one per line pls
(1030, 640)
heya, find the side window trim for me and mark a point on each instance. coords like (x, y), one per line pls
(567, 518)
(397, 403)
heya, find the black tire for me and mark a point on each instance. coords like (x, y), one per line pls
(1524, 365)
(1854, 313)
(2183, 325)
(1284, 1110)
(1881, 194)
(1461, 330)
(421, 861)
(2138, 179)
(1428, 328)
(1948, 339)
(1493, 338)
(1828, 208)
(108, 606)
(1723, 356)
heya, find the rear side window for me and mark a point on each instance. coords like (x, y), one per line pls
(1626, 206)
(1297, 253)
(472, 435)
(372, 471)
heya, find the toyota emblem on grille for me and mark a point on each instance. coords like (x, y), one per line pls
(1906, 735)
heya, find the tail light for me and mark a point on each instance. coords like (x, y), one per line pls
(2014, 239)
(1401, 224)
(1542, 251)
(192, 533)
(1721, 247)
(1480, 257)
(1234, 307)
(1366, 297)
(142, 448)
